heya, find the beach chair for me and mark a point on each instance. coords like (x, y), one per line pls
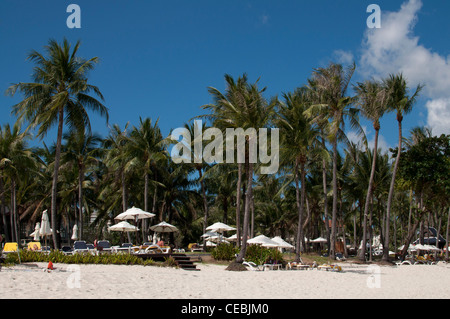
(104, 246)
(297, 265)
(34, 246)
(330, 268)
(252, 266)
(10, 248)
(194, 247)
(154, 249)
(80, 247)
(66, 250)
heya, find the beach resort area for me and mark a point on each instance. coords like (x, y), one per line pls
(217, 150)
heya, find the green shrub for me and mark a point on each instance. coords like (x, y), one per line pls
(224, 252)
(260, 255)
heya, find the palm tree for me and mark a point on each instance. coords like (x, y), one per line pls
(332, 105)
(242, 106)
(15, 160)
(298, 140)
(399, 101)
(146, 147)
(59, 94)
(372, 99)
(80, 151)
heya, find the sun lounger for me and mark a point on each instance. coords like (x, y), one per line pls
(66, 250)
(80, 247)
(330, 267)
(10, 248)
(296, 265)
(252, 266)
(272, 266)
(104, 246)
(155, 249)
(34, 246)
(194, 247)
(126, 247)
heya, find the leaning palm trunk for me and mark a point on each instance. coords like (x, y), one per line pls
(300, 206)
(205, 207)
(362, 255)
(55, 176)
(80, 200)
(391, 190)
(248, 199)
(238, 205)
(334, 212)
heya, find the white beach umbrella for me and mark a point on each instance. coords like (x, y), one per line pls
(45, 229)
(74, 233)
(123, 226)
(134, 213)
(282, 243)
(164, 227)
(263, 241)
(210, 234)
(35, 234)
(420, 247)
(220, 227)
(232, 238)
(319, 240)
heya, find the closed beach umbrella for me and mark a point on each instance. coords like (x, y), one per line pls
(319, 240)
(36, 234)
(74, 233)
(45, 229)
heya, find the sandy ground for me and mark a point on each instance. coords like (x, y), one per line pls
(214, 282)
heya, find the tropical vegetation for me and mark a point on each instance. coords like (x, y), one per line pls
(328, 185)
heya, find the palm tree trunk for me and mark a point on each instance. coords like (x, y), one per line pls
(205, 207)
(3, 210)
(391, 191)
(238, 205)
(300, 199)
(447, 233)
(248, 199)
(14, 209)
(334, 212)
(80, 200)
(55, 176)
(362, 255)
(325, 196)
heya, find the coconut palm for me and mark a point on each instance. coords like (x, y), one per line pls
(242, 106)
(60, 93)
(332, 106)
(298, 140)
(400, 102)
(15, 160)
(372, 100)
(81, 152)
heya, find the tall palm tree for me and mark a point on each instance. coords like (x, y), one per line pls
(372, 100)
(146, 147)
(332, 106)
(298, 140)
(400, 102)
(15, 160)
(60, 93)
(82, 152)
(242, 106)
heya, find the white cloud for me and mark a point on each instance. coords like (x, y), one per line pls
(394, 48)
(343, 57)
(439, 115)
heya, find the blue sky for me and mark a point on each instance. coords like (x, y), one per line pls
(159, 57)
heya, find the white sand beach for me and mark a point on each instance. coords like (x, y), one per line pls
(214, 282)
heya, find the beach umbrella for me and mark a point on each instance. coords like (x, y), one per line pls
(420, 247)
(263, 241)
(36, 234)
(123, 226)
(282, 243)
(45, 229)
(232, 238)
(210, 234)
(220, 227)
(164, 227)
(134, 213)
(319, 240)
(74, 233)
